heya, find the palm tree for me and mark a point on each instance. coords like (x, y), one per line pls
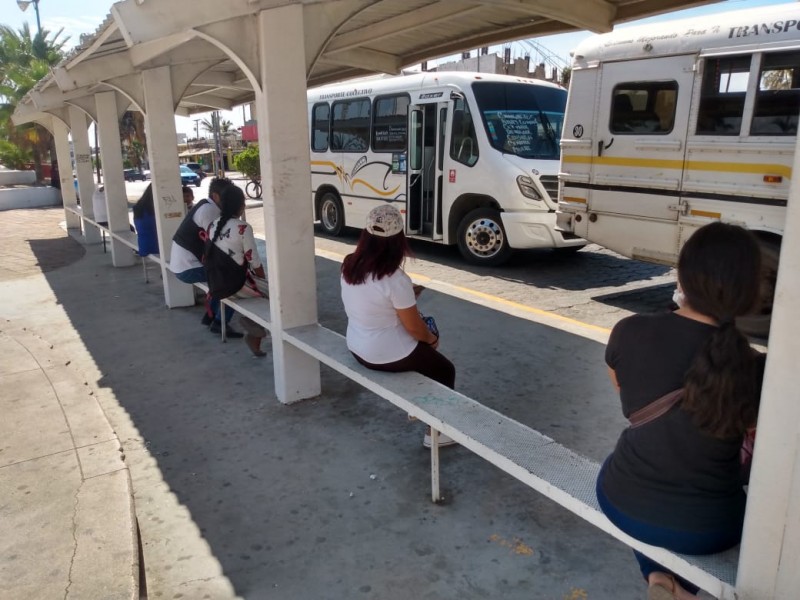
(24, 60)
(131, 133)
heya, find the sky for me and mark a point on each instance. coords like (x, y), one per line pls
(76, 17)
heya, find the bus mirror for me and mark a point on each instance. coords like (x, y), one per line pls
(456, 96)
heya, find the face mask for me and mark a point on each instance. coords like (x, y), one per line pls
(678, 297)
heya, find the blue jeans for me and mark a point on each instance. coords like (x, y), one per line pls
(682, 542)
(198, 275)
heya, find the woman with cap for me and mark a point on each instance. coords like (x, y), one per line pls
(384, 329)
(675, 477)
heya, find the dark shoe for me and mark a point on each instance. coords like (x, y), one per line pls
(254, 344)
(230, 332)
(206, 320)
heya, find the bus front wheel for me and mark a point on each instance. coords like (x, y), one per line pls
(331, 214)
(482, 239)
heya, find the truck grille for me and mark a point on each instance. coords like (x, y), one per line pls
(550, 185)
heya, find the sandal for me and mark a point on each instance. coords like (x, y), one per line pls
(664, 590)
(254, 344)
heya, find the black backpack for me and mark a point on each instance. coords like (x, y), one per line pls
(225, 275)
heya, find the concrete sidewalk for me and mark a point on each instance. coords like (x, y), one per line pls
(67, 525)
(239, 496)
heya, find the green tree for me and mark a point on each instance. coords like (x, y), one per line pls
(24, 60)
(248, 162)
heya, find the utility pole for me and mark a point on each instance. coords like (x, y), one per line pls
(220, 165)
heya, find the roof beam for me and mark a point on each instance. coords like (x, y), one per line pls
(594, 15)
(210, 100)
(147, 51)
(365, 59)
(404, 23)
(90, 72)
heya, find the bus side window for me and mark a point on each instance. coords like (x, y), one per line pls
(350, 125)
(320, 126)
(464, 141)
(722, 95)
(778, 97)
(390, 123)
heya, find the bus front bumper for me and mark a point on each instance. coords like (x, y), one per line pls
(536, 230)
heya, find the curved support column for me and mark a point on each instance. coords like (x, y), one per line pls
(163, 155)
(68, 196)
(289, 225)
(113, 179)
(83, 168)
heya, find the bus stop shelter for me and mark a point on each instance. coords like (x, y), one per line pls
(189, 56)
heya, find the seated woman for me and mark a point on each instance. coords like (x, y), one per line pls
(675, 480)
(234, 238)
(384, 329)
(144, 220)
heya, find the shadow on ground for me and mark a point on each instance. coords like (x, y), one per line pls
(329, 498)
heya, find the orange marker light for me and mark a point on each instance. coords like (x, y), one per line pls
(773, 178)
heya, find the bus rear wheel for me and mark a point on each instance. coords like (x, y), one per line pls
(331, 214)
(757, 323)
(482, 239)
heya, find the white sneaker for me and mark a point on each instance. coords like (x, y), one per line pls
(443, 440)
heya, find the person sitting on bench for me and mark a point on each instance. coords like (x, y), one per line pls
(675, 477)
(385, 331)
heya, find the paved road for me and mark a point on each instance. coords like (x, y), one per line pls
(595, 285)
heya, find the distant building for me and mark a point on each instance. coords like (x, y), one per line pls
(182, 138)
(501, 65)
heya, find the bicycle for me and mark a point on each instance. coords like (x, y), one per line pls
(253, 188)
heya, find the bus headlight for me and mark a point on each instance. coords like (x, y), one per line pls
(528, 187)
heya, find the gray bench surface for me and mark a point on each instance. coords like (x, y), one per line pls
(533, 458)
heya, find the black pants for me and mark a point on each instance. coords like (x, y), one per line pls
(424, 360)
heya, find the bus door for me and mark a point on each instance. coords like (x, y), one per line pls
(640, 142)
(426, 145)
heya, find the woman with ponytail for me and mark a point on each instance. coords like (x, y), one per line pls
(674, 479)
(234, 261)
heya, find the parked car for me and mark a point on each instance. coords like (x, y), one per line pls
(188, 176)
(197, 168)
(134, 175)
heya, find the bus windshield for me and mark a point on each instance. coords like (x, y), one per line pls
(522, 119)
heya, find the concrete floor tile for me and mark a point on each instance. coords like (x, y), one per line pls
(33, 424)
(100, 459)
(37, 503)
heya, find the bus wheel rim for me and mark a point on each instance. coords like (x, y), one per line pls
(484, 238)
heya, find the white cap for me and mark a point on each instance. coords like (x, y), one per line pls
(384, 221)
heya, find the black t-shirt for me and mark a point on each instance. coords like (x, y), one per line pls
(668, 472)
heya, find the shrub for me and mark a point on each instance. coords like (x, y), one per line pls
(248, 162)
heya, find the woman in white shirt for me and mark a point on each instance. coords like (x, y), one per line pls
(384, 329)
(234, 237)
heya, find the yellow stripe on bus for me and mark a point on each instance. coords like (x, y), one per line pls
(373, 188)
(573, 199)
(692, 165)
(705, 213)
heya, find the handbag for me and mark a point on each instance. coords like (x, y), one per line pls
(225, 275)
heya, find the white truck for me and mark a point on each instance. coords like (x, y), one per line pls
(673, 125)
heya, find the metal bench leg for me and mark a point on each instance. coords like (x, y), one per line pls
(436, 496)
(144, 266)
(222, 320)
(103, 236)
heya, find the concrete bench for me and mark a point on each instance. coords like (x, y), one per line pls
(127, 238)
(531, 457)
(524, 453)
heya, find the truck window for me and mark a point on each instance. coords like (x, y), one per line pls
(778, 97)
(722, 95)
(644, 107)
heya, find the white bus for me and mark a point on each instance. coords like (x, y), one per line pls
(468, 158)
(674, 125)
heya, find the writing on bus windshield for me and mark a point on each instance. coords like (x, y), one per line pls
(522, 119)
